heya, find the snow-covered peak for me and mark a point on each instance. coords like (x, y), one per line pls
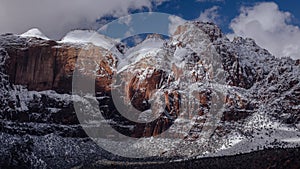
(34, 32)
(149, 47)
(192, 37)
(89, 36)
(150, 42)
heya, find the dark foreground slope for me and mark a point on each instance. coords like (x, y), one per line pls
(265, 159)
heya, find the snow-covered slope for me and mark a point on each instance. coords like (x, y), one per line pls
(147, 48)
(34, 32)
(89, 36)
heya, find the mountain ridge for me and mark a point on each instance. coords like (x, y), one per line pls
(260, 93)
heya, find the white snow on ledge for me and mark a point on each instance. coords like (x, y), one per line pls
(292, 140)
(89, 36)
(34, 32)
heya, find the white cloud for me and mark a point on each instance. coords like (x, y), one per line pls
(129, 33)
(270, 28)
(210, 15)
(125, 20)
(174, 22)
(56, 17)
(137, 39)
(159, 2)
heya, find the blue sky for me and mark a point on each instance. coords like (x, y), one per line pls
(228, 9)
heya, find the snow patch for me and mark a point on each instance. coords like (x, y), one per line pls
(293, 140)
(89, 36)
(34, 32)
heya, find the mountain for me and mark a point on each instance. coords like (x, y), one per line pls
(34, 32)
(208, 96)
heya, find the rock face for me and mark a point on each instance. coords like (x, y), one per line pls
(233, 94)
(41, 66)
(34, 71)
(47, 65)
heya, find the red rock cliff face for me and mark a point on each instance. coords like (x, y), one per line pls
(48, 65)
(33, 66)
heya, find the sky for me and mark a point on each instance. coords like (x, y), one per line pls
(274, 25)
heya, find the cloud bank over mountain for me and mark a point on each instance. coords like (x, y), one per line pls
(57, 17)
